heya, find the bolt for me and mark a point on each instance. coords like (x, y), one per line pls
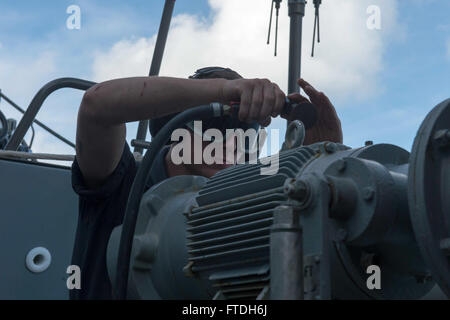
(368, 193)
(442, 137)
(289, 187)
(341, 234)
(297, 189)
(301, 190)
(341, 165)
(146, 246)
(330, 147)
(289, 190)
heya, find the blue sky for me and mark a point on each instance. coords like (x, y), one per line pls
(404, 79)
(415, 78)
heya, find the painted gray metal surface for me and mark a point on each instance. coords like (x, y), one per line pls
(227, 235)
(159, 251)
(286, 255)
(429, 196)
(204, 238)
(38, 209)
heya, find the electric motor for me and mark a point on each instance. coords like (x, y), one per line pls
(316, 229)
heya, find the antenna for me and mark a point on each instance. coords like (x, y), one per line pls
(270, 22)
(317, 4)
(277, 11)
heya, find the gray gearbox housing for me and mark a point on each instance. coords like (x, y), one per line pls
(310, 231)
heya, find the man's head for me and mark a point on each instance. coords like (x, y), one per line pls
(217, 123)
(215, 73)
(203, 73)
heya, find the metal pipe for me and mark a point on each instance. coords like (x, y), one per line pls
(140, 143)
(36, 105)
(156, 61)
(43, 126)
(286, 255)
(296, 10)
(43, 156)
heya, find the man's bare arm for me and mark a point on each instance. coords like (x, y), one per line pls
(107, 106)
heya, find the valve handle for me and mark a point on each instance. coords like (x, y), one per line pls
(305, 112)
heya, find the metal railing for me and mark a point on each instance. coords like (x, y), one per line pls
(36, 104)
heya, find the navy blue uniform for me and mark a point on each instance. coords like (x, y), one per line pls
(100, 211)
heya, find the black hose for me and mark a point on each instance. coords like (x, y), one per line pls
(304, 111)
(138, 188)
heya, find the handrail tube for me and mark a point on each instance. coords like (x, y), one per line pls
(36, 105)
(42, 125)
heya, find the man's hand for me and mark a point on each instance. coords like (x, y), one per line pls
(328, 125)
(260, 99)
(107, 106)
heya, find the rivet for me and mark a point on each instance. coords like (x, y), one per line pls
(368, 193)
(331, 147)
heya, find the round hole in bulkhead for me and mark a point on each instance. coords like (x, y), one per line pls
(38, 259)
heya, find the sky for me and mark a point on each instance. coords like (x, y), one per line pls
(383, 76)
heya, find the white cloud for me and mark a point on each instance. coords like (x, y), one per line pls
(28, 63)
(45, 143)
(346, 64)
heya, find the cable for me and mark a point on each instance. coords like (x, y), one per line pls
(138, 188)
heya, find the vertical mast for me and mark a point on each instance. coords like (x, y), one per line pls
(156, 60)
(296, 13)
